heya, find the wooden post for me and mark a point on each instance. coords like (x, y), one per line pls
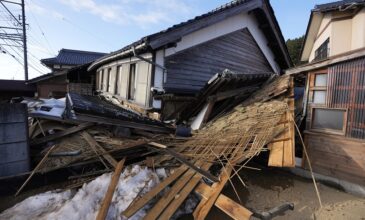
(103, 211)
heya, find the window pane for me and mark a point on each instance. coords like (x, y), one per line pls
(328, 119)
(320, 80)
(319, 97)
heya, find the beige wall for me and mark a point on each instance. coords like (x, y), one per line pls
(143, 79)
(322, 35)
(341, 37)
(346, 33)
(358, 30)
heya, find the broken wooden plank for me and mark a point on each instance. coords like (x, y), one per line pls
(289, 146)
(103, 211)
(164, 201)
(35, 170)
(93, 144)
(202, 210)
(180, 197)
(182, 159)
(224, 203)
(137, 205)
(61, 134)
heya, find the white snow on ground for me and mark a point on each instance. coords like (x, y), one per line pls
(85, 203)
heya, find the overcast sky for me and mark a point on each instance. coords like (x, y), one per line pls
(108, 25)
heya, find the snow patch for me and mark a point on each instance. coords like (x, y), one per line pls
(85, 203)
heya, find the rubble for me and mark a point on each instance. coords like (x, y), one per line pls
(91, 137)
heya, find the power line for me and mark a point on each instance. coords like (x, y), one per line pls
(16, 36)
(42, 32)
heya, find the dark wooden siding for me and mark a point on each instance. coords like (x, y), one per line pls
(346, 89)
(190, 69)
(337, 156)
(14, 152)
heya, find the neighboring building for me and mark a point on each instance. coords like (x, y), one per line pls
(68, 67)
(333, 29)
(334, 102)
(242, 36)
(15, 88)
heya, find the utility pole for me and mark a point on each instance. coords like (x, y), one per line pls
(9, 35)
(24, 43)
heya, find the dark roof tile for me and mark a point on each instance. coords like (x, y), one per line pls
(73, 57)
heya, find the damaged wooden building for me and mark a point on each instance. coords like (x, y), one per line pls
(333, 106)
(163, 71)
(68, 74)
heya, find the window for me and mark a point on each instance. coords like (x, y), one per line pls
(332, 120)
(323, 51)
(108, 80)
(117, 76)
(319, 87)
(102, 79)
(132, 82)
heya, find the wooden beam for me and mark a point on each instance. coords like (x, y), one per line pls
(164, 201)
(35, 170)
(123, 123)
(330, 61)
(103, 211)
(93, 144)
(61, 134)
(224, 203)
(183, 160)
(202, 210)
(140, 203)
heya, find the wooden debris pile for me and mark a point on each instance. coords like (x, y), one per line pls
(204, 162)
(91, 141)
(228, 142)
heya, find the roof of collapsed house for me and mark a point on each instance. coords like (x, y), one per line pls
(168, 38)
(86, 135)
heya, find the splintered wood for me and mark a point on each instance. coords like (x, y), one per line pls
(229, 142)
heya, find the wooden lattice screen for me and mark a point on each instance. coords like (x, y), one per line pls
(346, 89)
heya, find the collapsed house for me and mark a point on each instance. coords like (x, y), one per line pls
(333, 110)
(198, 165)
(217, 73)
(68, 74)
(167, 69)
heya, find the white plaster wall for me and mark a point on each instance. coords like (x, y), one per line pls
(358, 30)
(224, 27)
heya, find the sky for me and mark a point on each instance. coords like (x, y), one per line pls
(108, 25)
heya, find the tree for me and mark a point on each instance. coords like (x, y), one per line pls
(295, 47)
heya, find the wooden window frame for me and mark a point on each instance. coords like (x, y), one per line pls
(314, 88)
(328, 130)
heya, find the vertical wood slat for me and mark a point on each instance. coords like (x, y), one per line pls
(345, 89)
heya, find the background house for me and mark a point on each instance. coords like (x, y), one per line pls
(335, 89)
(68, 68)
(242, 36)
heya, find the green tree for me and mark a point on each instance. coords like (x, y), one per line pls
(295, 48)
